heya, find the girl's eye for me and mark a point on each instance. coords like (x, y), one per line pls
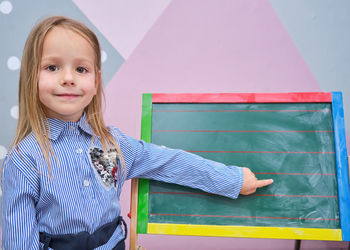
(81, 70)
(52, 68)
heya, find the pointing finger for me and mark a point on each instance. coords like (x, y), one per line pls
(263, 183)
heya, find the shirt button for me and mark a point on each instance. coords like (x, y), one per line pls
(71, 128)
(79, 151)
(86, 183)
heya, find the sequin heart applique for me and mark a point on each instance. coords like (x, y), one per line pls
(106, 164)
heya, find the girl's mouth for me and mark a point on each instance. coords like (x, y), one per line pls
(68, 95)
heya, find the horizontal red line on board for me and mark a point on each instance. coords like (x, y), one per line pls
(232, 216)
(247, 131)
(292, 195)
(267, 195)
(290, 97)
(242, 111)
(258, 152)
(297, 173)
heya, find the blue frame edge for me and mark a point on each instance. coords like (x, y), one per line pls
(342, 164)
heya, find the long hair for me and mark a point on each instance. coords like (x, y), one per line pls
(31, 115)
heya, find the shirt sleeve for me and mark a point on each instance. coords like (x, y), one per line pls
(19, 224)
(146, 160)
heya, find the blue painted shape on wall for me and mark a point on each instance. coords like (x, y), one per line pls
(320, 30)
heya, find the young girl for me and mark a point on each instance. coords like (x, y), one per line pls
(63, 177)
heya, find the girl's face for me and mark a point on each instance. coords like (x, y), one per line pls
(67, 78)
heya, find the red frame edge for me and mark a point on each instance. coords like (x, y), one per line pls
(242, 97)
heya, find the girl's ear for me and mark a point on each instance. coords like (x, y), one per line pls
(98, 79)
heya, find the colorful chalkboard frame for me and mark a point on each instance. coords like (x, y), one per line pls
(342, 172)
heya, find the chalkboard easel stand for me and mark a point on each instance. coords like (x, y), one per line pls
(133, 212)
(297, 244)
(133, 216)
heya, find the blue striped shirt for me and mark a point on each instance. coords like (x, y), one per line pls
(75, 198)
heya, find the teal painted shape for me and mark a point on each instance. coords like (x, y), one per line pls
(320, 31)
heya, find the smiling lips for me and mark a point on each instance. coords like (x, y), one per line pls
(68, 95)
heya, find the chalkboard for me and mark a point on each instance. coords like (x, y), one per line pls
(298, 139)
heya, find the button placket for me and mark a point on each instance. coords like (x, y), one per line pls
(86, 183)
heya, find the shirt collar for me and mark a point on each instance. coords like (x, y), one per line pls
(56, 126)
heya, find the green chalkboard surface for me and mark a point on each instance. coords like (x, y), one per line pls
(291, 143)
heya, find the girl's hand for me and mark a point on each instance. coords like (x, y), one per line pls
(251, 183)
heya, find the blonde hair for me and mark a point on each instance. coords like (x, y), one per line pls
(31, 115)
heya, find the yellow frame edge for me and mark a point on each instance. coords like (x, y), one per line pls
(246, 232)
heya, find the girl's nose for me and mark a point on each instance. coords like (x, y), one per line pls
(67, 78)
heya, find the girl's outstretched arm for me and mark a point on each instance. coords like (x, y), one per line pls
(146, 160)
(18, 217)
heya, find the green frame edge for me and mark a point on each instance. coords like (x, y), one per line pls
(143, 192)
